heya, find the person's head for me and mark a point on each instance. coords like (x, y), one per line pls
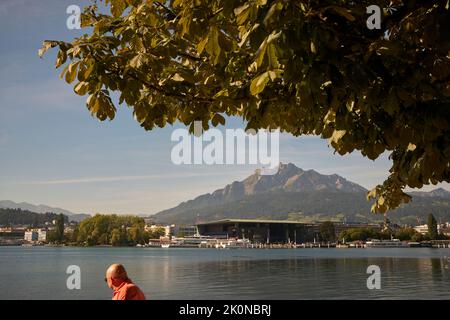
(115, 275)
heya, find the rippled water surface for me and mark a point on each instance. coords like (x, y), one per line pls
(411, 273)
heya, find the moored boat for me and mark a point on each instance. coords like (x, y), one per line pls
(394, 243)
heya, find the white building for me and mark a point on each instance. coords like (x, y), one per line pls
(169, 230)
(42, 235)
(423, 228)
(31, 236)
(36, 235)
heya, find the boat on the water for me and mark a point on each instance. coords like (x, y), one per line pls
(394, 243)
(233, 244)
(414, 244)
(165, 245)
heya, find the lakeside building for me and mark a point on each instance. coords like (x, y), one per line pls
(422, 229)
(169, 230)
(31, 236)
(42, 235)
(441, 228)
(445, 231)
(13, 232)
(272, 231)
(39, 235)
(12, 236)
(260, 231)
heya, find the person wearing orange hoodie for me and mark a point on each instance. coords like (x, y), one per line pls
(122, 286)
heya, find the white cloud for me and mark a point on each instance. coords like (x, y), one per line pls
(179, 175)
(43, 95)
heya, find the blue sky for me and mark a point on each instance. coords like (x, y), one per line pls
(53, 152)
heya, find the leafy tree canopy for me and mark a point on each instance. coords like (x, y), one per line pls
(11, 217)
(306, 67)
(112, 230)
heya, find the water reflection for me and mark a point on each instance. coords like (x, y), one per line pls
(305, 279)
(214, 274)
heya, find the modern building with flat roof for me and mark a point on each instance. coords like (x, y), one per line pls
(260, 231)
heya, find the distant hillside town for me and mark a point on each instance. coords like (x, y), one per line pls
(18, 227)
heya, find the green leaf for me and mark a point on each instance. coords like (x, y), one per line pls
(63, 72)
(242, 13)
(45, 46)
(177, 77)
(81, 88)
(201, 45)
(313, 47)
(61, 58)
(270, 16)
(241, 9)
(411, 147)
(247, 34)
(275, 74)
(138, 61)
(71, 73)
(213, 47)
(91, 102)
(262, 50)
(259, 83)
(118, 7)
(90, 65)
(218, 119)
(337, 136)
(272, 56)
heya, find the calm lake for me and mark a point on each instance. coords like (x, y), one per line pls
(406, 273)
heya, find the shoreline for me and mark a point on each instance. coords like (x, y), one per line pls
(232, 248)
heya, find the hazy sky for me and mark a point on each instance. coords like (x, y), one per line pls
(53, 152)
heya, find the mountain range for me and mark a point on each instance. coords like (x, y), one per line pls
(304, 195)
(290, 194)
(8, 204)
